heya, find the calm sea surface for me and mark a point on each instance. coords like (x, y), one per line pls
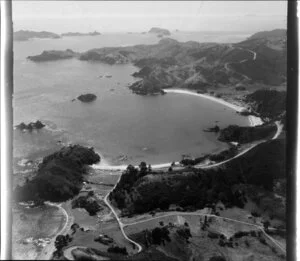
(156, 129)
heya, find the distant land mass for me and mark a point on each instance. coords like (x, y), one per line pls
(24, 35)
(160, 31)
(260, 59)
(277, 33)
(53, 55)
(81, 34)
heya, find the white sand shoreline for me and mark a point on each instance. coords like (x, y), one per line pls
(253, 120)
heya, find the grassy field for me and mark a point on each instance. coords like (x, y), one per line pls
(31, 224)
(203, 246)
(102, 223)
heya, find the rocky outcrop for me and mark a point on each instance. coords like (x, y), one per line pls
(59, 177)
(24, 35)
(89, 97)
(147, 87)
(30, 126)
(53, 56)
(159, 31)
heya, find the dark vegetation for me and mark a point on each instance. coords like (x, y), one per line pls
(217, 258)
(196, 188)
(159, 236)
(247, 134)
(60, 175)
(218, 157)
(31, 126)
(104, 239)
(88, 202)
(191, 162)
(117, 250)
(267, 103)
(89, 97)
(150, 254)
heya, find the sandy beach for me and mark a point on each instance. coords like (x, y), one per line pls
(254, 121)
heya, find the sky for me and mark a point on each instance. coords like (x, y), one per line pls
(138, 16)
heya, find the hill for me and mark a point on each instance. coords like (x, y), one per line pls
(193, 65)
(267, 103)
(192, 189)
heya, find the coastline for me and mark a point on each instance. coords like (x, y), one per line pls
(253, 121)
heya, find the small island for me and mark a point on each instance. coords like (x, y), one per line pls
(159, 31)
(80, 34)
(89, 97)
(24, 35)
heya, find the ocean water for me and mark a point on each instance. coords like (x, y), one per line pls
(123, 127)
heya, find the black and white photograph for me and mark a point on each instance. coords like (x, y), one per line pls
(150, 130)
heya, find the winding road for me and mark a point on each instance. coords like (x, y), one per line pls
(161, 166)
(139, 247)
(122, 225)
(227, 68)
